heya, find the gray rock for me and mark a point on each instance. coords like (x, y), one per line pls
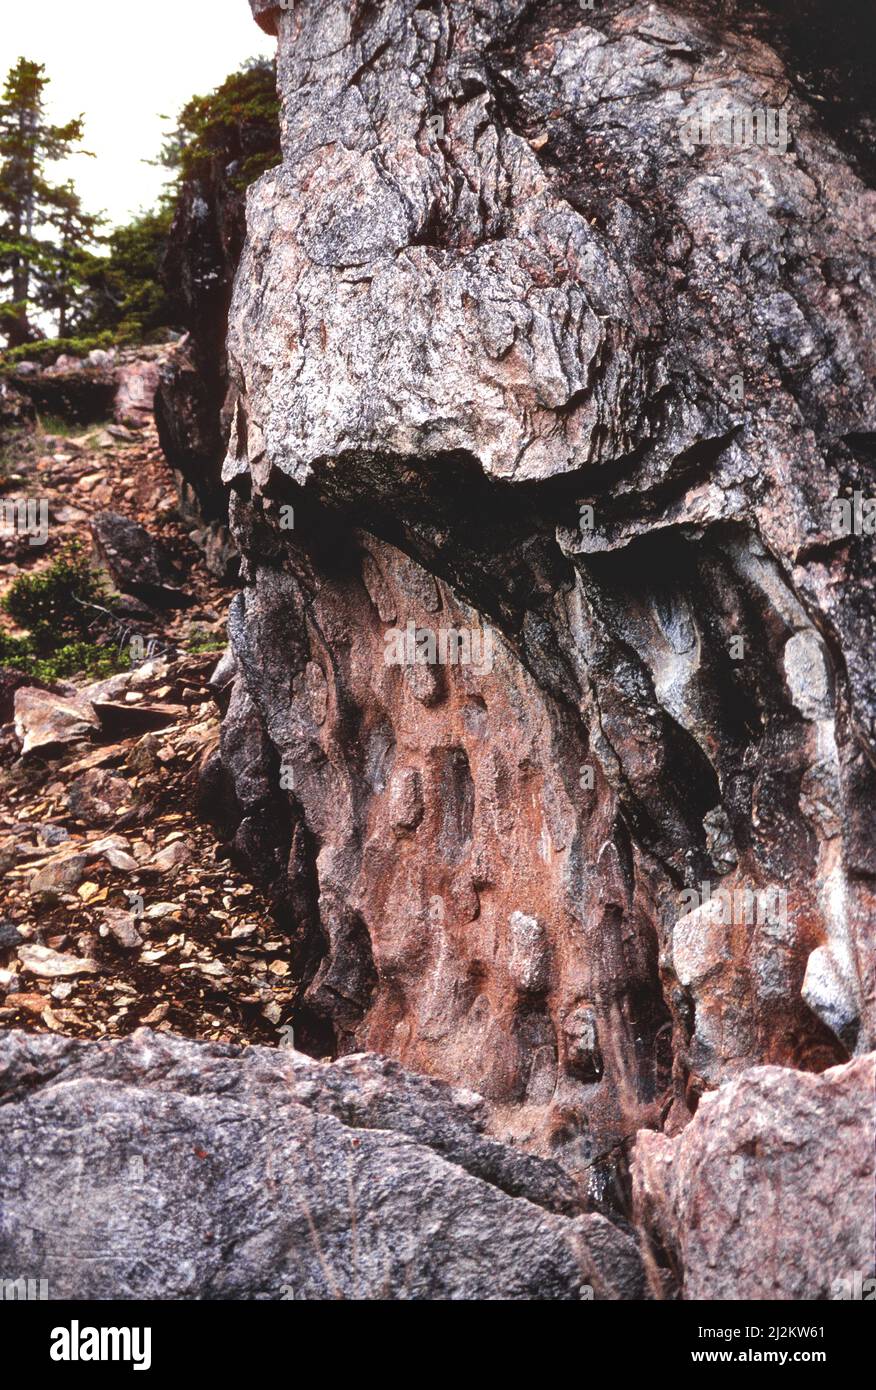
(52, 835)
(9, 935)
(170, 859)
(136, 562)
(53, 965)
(120, 925)
(62, 874)
(176, 1169)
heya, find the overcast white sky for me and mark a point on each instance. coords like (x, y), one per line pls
(123, 64)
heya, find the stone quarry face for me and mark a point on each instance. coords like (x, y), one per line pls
(554, 712)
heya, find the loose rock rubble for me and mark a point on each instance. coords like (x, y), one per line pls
(118, 904)
(109, 869)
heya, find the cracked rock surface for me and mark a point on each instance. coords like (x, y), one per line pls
(205, 1171)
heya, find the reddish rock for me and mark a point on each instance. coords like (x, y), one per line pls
(99, 797)
(136, 384)
(118, 720)
(44, 720)
(769, 1191)
(12, 680)
(170, 859)
(122, 927)
(510, 356)
(28, 1003)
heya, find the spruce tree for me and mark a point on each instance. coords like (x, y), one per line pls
(33, 267)
(63, 279)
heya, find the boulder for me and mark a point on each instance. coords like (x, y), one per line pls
(46, 721)
(12, 680)
(136, 384)
(72, 389)
(768, 1193)
(135, 560)
(177, 1170)
(544, 391)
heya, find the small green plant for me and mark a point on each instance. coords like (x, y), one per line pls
(83, 658)
(16, 651)
(53, 605)
(62, 614)
(54, 424)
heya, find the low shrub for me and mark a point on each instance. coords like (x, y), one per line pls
(53, 604)
(47, 350)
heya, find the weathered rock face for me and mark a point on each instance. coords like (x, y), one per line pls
(136, 384)
(16, 410)
(214, 1172)
(79, 390)
(768, 1193)
(523, 353)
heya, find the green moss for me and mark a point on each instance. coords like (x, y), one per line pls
(72, 659)
(205, 642)
(53, 424)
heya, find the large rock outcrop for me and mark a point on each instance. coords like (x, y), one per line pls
(554, 716)
(161, 1168)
